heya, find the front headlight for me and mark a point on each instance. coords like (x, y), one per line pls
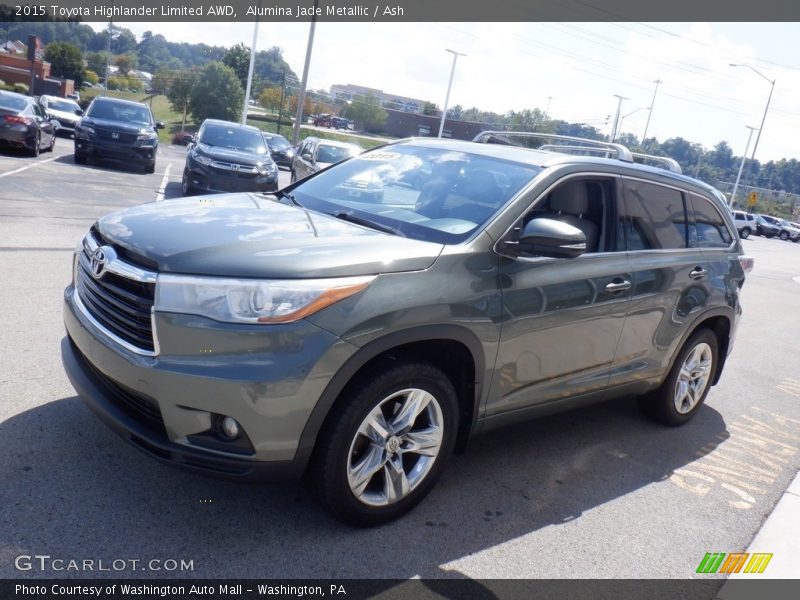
(146, 137)
(266, 168)
(253, 301)
(85, 131)
(200, 158)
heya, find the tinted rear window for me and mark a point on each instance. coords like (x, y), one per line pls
(655, 217)
(712, 232)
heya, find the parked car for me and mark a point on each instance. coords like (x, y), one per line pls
(183, 138)
(280, 149)
(360, 339)
(314, 154)
(62, 112)
(228, 157)
(745, 223)
(114, 129)
(766, 227)
(322, 120)
(789, 231)
(23, 124)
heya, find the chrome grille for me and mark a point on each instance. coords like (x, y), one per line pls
(120, 300)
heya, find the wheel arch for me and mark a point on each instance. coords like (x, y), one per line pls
(720, 322)
(438, 344)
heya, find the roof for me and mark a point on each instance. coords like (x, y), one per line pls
(231, 124)
(546, 159)
(334, 143)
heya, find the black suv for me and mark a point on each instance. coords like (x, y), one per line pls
(228, 157)
(115, 129)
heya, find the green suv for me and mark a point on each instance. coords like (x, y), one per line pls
(359, 326)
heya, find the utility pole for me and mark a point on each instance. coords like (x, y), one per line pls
(650, 114)
(249, 85)
(283, 95)
(301, 94)
(547, 110)
(449, 86)
(108, 50)
(741, 166)
(616, 116)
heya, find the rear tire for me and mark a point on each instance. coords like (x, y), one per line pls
(784, 235)
(384, 448)
(37, 145)
(683, 392)
(150, 168)
(745, 233)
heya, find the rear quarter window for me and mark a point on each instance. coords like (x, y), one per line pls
(712, 231)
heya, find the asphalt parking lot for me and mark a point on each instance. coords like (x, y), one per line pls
(599, 492)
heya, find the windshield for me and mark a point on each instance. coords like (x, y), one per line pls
(277, 142)
(127, 113)
(63, 105)
(334, 154)
(234, 138)
(12, 102)
(429, 194)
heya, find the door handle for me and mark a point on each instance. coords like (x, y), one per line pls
(698, 273)
(618, 286)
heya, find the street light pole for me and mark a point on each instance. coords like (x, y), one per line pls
(766, 108)
(616, 116)
(250, 72)
(301, 94)
(650, 114)
(449, 86)
(547, 110)
(741, 166)
(623, 117)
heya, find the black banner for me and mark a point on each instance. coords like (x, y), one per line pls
(399, 10)
(418, 589)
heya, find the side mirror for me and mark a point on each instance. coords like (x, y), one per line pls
(79, 112)
(159, 125)
(307, 156)
(551, 238)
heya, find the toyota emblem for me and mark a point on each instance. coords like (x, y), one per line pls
(98, 261)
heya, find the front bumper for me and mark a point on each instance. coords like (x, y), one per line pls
(268, 382)
(108, 151)
(206, 180)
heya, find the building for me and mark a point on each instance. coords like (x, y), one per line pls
(15, 68)
(351, 92)
(404, 124)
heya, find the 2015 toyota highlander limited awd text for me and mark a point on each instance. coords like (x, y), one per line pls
(360, 325)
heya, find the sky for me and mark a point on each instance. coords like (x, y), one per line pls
(575, 67)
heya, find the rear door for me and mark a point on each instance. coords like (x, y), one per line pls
(668, 279)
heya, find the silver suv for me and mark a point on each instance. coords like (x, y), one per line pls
(745, 223)
(361, 324)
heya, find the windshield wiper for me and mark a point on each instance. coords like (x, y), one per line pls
(284, 194)
(352, 218)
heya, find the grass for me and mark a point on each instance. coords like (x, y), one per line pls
(286, 131)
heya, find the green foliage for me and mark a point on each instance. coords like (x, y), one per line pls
(430, 109)
(90, 77)
(238, 59)
(217, 94)
(270, 98)
(20, 88)
(367, 115)
(96, 61)
(65, 61)
(125, 63)
(180, 90)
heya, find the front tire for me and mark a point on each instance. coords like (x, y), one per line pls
(784, 235)
(186, 186)
(150, 168)
(382, 450)
(52, 143)
(80, 158)
(679, 398)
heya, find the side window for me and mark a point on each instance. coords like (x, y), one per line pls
(712, 232)
(37, 110)
(655, 217)
(588, 204)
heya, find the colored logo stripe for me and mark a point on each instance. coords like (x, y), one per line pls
(714, 562)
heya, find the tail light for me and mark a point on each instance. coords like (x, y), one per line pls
(17, 120)
(747, 263)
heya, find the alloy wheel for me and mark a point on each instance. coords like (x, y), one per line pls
(693, 378)
(395, 447)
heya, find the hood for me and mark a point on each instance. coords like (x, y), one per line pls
(63, 114)
(120, 126)
(232, 156)
(246, 235)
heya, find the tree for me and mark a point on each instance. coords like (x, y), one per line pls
(162, 80)
(429, 108)
(457, 112)
(96, 61)
(307, 105)
(238, 59)
(125, 63)
(367, 115)
(180, 92)
(90, 77)
(65, 61)
(270, 98)
(216, 94)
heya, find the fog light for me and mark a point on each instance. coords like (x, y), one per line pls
(229, 428)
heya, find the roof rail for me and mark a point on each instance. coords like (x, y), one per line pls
(585, 149)
(617, 150)
(669, 163)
